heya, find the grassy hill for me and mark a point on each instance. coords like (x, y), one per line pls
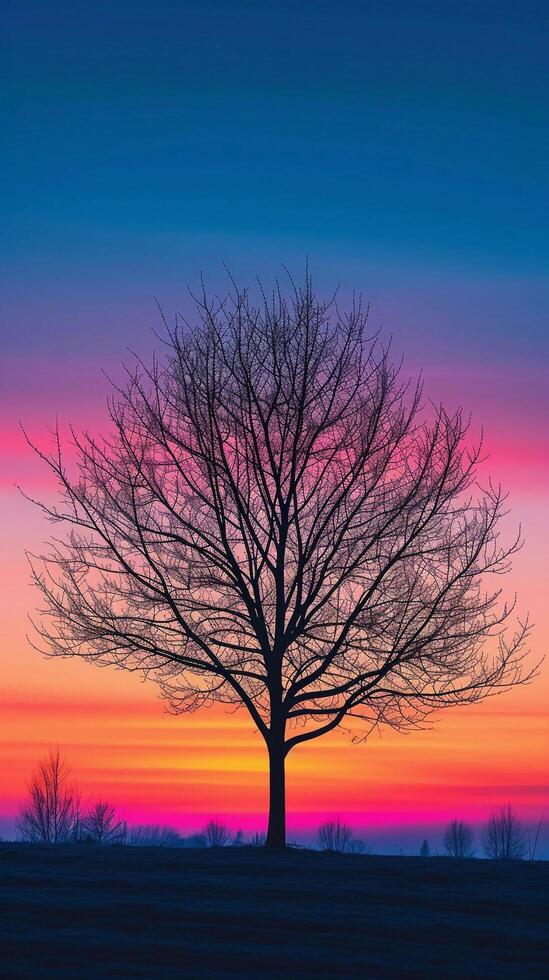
(84, 911)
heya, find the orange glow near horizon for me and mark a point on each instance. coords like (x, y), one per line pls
(182, 770)
(122, 745)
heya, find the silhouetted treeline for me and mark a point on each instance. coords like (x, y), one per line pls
(54, 814)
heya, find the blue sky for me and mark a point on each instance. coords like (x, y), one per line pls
(403, 146)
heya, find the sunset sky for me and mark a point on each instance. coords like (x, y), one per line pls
(402, 147)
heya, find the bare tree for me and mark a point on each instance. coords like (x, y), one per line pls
(275, 522)
(504, 837)
(458, 839)
(333, 835)
(51, 814)
(102, 825)
(216, 834)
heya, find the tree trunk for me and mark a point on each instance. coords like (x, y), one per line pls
(276, 832)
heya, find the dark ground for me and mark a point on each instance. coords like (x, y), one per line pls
(81, 911)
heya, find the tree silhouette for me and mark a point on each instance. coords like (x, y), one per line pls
(458, 839)
(51, 815)
(217, 834)
(274, 522)
(503, 837)
(333, 835)
(102, 825)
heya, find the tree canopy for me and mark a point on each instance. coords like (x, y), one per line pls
(275, 520)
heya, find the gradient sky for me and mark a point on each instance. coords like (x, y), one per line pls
(404, 147)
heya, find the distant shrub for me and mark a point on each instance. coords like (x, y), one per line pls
(333, 835)
(425, 850)
(503, 836)
(217, 834)
(154, 835)
(102, 825)
(458, 839)
(258, 840)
